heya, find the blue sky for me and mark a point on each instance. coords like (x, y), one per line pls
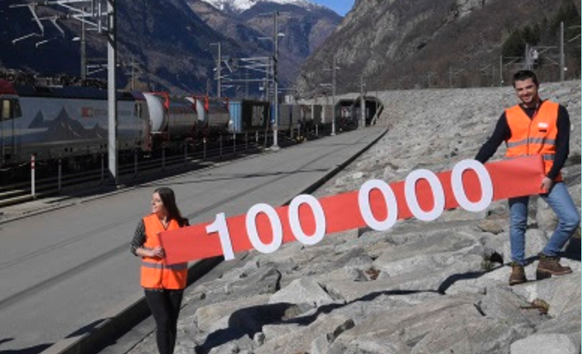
(339, 6)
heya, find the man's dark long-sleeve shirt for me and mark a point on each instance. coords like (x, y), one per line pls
(503, 133)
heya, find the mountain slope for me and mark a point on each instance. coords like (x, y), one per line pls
(170, 44)
(420, 43)
(239, 6)
(305, 27)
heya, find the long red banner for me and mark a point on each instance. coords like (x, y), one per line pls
(342, 212)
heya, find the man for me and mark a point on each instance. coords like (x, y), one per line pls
(536, 127)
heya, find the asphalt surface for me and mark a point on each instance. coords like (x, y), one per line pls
(63, 271)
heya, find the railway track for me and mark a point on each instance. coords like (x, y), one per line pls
(138, 171)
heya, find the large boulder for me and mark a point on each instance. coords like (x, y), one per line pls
(561, 293)
(308, 336)
(470, 336)
(409, 325)
(502, 304)
(302, 291)
(216, 316)
(545, 344)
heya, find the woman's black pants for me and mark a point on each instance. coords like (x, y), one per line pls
(165, 307)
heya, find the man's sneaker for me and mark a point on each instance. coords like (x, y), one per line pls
(517, 274)
(549, 266)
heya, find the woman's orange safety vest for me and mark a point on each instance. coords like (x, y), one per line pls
(535, 136)
(155, 274)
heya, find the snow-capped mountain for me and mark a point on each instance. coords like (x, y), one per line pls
(304, 24)
(239, 6)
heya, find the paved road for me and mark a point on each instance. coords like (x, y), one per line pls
(62, 270)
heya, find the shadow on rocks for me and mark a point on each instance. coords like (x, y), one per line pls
(572, 251)
(248, 321)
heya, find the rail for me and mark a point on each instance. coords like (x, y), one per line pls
(139, 171)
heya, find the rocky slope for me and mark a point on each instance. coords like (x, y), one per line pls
(420, 288)
(424, 43)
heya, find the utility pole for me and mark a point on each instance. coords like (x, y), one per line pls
(112, 90)
(83, 51)
(527, 58)
(362, 103)
(562, 56)
(275, 80)
(132, 73)
(246, 83)
(501, 70)
(218, 69)
(492, 75)
(428, 76)
(333, 90)
(267, 82)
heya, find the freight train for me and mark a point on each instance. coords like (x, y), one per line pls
(71, 123)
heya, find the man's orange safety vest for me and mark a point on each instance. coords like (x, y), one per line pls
(535, 136)
(155, 274)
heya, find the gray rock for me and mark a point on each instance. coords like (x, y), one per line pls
(242, 345)
(502, 304)
(424, 261)
(495, 243)
(468, 336)
(259, 338)
(371, 344)
(302, 291)
(301, 339)
(491, 225)
(321, 344)
(246, 323)
(274, 331)
(214, 317)
(413, 323)
(356, 258)
(251, 267)
(265, 280)
(472, 286)
(576, 193)
(545, 344)
(357, 275)
(568, 324)
(437, 279)
(561, 293)
(425, 244)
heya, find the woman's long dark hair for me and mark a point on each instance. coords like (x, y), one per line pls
(169, 199)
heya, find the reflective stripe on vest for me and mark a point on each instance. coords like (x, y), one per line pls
(533, 136)
(179, 266)
(540, 141)
(154, 273)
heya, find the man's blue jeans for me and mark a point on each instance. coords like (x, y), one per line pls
(568, 220)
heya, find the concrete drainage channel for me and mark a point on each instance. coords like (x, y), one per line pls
(121, 319)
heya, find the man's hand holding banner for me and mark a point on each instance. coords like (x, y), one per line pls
(377, 205)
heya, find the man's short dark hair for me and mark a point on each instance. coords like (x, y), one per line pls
(523, 75)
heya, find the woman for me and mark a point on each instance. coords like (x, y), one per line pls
(163, 284)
